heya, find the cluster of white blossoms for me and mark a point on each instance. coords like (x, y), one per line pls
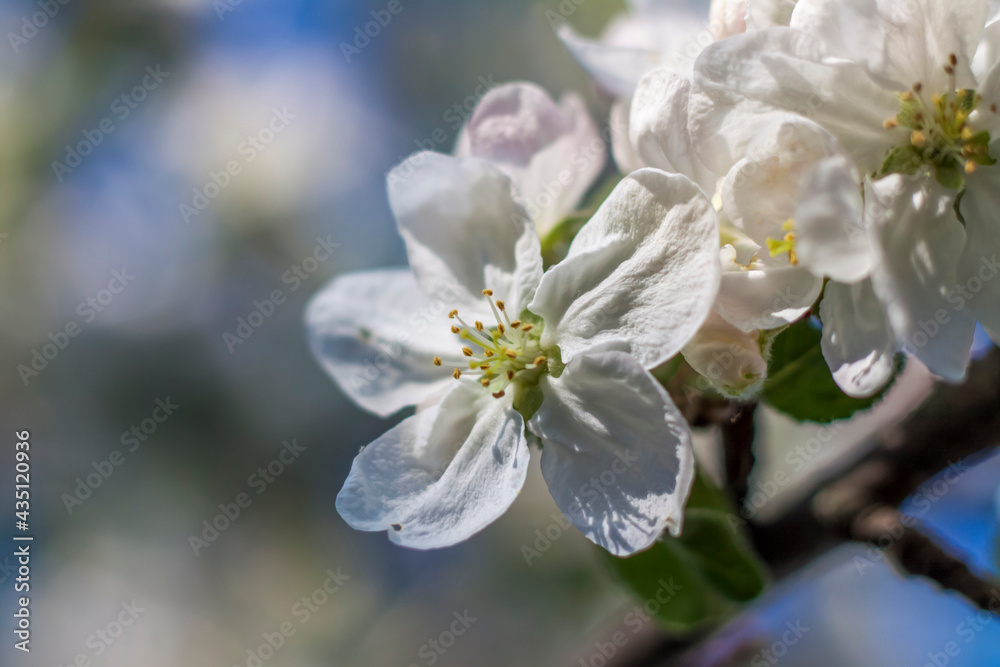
(832, 157)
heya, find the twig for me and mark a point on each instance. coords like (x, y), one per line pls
(737, 441)
(919, 555)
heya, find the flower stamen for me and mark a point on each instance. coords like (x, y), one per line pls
(509, 352)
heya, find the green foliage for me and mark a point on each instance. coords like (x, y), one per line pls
(556, 243)
(799, 380)
(703, 575)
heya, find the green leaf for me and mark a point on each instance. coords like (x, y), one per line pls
(700, 577)
(902, 160)
(722, 555)
(799, 381)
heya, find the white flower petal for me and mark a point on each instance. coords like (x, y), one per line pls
(552, 153)
(730, 359)
(899, 43)
(627, 158)
(658, 127)
(767, 298)
(644, 269)
(978, 277)
(376, 333)
(987, 66)
(616, 69)
(763, 14)
(740, 83)
(918, 242)
(831, 238)
(858, 343)
(441, 475)
(617, 454)
(464, 232)
(761, 192)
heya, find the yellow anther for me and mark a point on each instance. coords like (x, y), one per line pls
(453, 314)
(908, 96)
(510, 375)
(487, 292)
(457, 374)
(515, 324)
(437, 361)
(485, 382)
(539, 361)
(467, 351)
(479, 326)
(484, 367)
(918, 139)
(970, 167)
(527, 327)
(510, 354)
(890, 124)
(488, 353)
(967, 134)
(500, 304)
(454, 329)
(501, 328)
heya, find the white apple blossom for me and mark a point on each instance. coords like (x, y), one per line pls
(562, 356)
(911, 92)
(664, 33)
(786, 223)
(553, 153)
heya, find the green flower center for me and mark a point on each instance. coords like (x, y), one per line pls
(507, 353)
(940, 137)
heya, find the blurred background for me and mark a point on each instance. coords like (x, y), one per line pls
(166, 167)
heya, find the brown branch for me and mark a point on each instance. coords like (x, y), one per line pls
(956, 423)
(737, 443)
(917, 554)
